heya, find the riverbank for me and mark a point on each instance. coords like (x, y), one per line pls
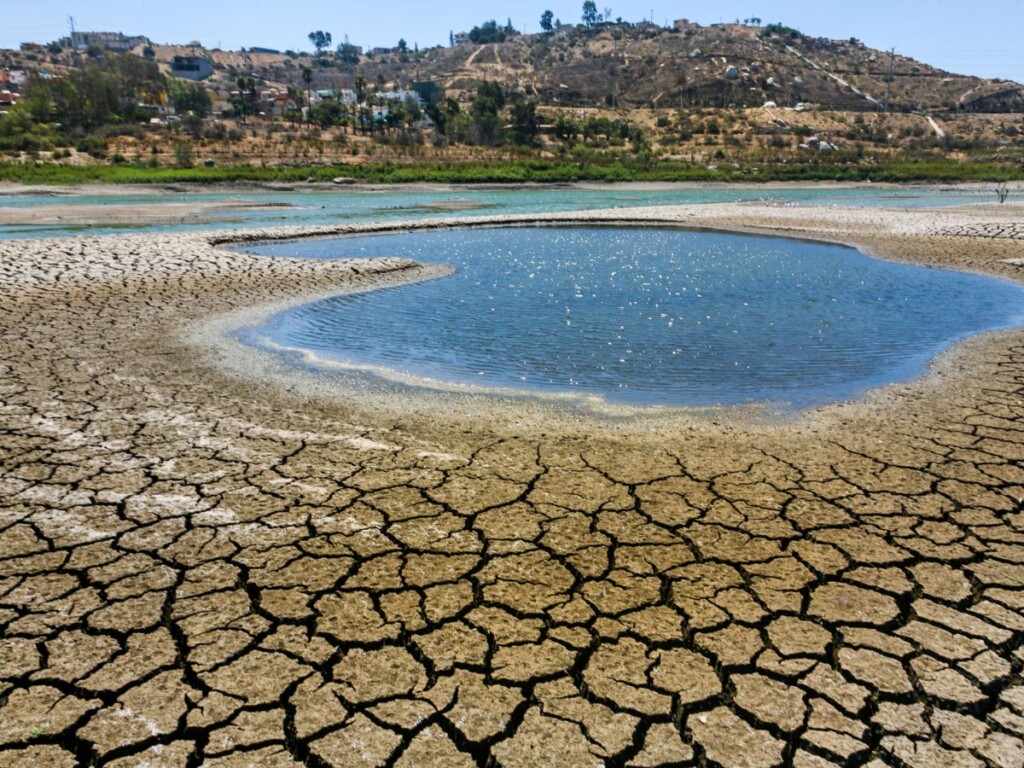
(224, 561)
(536, 170)
(48, 210)
(14, 189)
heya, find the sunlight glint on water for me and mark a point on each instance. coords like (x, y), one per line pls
(644, 317)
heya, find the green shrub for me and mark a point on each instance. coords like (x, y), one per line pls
(183, 155)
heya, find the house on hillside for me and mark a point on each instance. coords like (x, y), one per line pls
(191, 67)
(399, 97)
(12, 79)
(461, 38)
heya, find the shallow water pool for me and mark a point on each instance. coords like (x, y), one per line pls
(344, 205)
(641, 316)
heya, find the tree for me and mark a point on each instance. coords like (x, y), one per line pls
(105, 91)
(307, 80)
(546, 21)
(402, 45)
(193, 124)
(320, 40)
(488, 32)
(590, 14)
(183, 155)
(293, 112)
(525, 123)
(489, 101)
(188, 97)
(327, 113)
(443, 112)
(248, 97)
(451, 38)
(566, 129)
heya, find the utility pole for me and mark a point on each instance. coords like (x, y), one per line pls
(888, 89)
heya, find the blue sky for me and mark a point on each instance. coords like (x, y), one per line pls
(980, 37)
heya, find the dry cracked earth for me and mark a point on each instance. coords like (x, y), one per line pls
(203, 569)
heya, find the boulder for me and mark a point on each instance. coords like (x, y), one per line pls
(343, 180)
(770, 105)
(695, 53)
(731, 73)
(798, 83)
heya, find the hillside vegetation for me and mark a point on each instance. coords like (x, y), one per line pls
(643, 100)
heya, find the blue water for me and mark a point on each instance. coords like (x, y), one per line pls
(643, 316)
(317, 208)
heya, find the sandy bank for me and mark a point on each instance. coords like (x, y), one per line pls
(132, 214)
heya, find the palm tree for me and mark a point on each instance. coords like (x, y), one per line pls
(307, 79)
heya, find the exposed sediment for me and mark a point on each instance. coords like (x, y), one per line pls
(205, 561)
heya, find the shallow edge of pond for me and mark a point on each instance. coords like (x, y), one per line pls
(945, 374)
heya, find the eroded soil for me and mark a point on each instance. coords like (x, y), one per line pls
(203, 568)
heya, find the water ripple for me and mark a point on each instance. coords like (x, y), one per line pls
(644, 317)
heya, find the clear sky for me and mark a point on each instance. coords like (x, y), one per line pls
(974, 37)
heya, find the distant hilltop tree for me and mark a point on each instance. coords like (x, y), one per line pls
(590, 14)
(488, 32)
(321, 40)
(547, 21)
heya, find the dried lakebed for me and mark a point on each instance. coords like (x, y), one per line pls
(205, 560)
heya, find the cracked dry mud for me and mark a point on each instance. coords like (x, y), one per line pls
(202, 568)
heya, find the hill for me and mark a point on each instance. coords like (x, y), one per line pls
(645, 65)
(733, 98)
